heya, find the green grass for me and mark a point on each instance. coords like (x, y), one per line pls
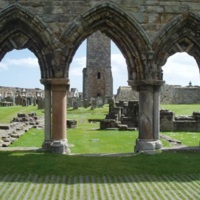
(186, 138)
(86, 138)
(8, 113)
(45, 163)
(33, 138)
(182, 109)
(83, 137)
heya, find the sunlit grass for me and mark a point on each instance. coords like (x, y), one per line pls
(182, 109)
(33, 138)
(87, 138)
(186, 138)
(45, 163)
(8, 113)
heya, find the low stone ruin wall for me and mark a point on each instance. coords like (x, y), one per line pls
(17, 127)
(170, 122)
(71, 123)
(122, 115)
(125, 116)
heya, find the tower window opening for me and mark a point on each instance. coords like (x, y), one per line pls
(98, 75)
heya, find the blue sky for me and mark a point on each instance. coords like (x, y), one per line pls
(19, 68)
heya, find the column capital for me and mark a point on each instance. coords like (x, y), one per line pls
(55, 81)
(146, 84)
(61, 83)
(45, 81)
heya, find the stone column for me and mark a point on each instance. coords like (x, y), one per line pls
(149, 115)
(47, 114)
(59, 89)
(156, 100)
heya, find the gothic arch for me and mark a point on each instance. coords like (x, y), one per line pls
(120, 27)
(181, 34)
(20, 29)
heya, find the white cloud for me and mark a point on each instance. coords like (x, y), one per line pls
(118, 63)
(28, 62)
(77, 66)
(180, 69)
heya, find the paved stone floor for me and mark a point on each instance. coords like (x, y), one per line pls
(18, 187)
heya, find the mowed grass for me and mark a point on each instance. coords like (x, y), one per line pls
(169, 163)
(182, 109)
(87, 138)
(186, 138)
(8, 113)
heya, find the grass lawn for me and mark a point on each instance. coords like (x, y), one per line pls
(182, 109)
(37, 175)
(87, 138)
(8, 113)
(168, 163)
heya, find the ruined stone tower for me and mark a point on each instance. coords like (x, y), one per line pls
(97, 76)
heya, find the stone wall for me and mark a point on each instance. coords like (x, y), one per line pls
(170, 94)
(180, 95)
(125, 93)
(152, 15)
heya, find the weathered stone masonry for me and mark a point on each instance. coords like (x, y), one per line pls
(147, 33)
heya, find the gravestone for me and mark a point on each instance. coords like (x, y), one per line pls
(75, 105)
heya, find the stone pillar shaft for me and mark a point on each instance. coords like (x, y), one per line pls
(47, 105)
(55, 115)
(145, 113)
(59, 88)
(149, 115)
(47, 115)
(156, 106)
(58, 111)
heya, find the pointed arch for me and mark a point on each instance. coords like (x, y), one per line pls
(20, 29)
(181, 34)
(125, 31)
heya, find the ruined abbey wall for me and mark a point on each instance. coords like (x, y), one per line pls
(170, 94)
(142, 29)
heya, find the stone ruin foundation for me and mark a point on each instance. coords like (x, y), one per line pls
(71, 123)
(17, 127)
(124, 116)
(170, 122)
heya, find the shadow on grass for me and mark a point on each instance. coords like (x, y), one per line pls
(166, 163)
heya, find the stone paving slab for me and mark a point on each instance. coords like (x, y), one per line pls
(191, 149)
(129, 187)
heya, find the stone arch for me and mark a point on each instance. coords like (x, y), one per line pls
(125, 31)
(21, 29)
(181, 34)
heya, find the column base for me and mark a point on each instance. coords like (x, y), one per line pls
(59, 146)
(148, 146)
(46, 145)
